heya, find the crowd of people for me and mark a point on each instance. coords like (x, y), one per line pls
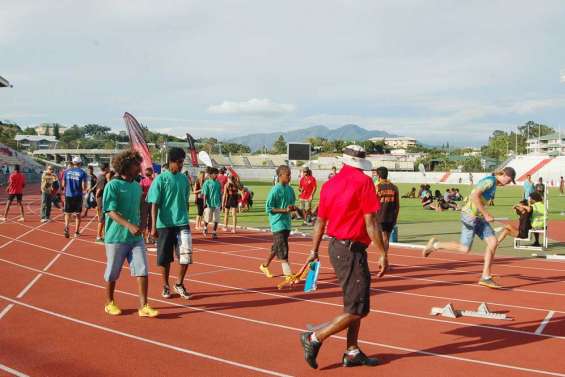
(354, 211)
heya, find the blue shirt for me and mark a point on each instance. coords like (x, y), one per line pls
(528, 189)
(74, 179)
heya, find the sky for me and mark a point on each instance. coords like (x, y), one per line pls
(439, 71)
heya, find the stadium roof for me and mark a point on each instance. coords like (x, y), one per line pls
(4, 83)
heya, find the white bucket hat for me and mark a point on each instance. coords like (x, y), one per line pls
(354, 155)
(77, 160)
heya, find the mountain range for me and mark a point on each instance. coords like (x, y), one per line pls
(347, 132)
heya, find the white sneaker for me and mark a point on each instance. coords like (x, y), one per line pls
(44, 220)
(21, 219)
(2, 218)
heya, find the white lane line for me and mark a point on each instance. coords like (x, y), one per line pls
(27, 287)
(498, 261)
(282, 326)
(6, 310)
(12, 371)
(544, 323)
(24, 234)
(329, 283)
(38, 276)
(470, 285)
(145, 340)
(290, 298)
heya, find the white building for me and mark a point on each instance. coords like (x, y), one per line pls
(552, 145)
(401, 142)
(32, 142)
(48, 128)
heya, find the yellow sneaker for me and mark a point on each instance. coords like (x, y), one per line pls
(264, 269)
(112, 309)
(147, 311)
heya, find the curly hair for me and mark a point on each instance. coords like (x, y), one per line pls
(123, 161)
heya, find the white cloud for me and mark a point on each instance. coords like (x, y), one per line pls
(254, 106)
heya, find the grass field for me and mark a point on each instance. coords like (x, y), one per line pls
(417, 225)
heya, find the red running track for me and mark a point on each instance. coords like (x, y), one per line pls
(52, 321)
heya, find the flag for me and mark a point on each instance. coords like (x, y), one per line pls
(192, 149)
(137, 141)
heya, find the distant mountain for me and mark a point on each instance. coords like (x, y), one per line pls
(347, 132)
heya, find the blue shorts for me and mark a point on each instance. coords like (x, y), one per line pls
(471, 226)
(117, 253)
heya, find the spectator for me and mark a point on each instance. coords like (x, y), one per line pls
(562, 186)
(427, 200)
(528, 187)
(332, 173)
(74, 185)
(524, 211)
(199, 198)
(91, 180)
(387, 215)
(411, 194)
(101, 182)
(540, 187)
(146, 207)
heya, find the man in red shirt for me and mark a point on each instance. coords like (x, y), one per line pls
(307, 187)
(348, 211)
(15, 189)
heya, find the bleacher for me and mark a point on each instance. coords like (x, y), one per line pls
(221, 160)
(548, 168)
(240, 161)
(260, 161)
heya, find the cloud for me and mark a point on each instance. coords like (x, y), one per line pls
(255, 106)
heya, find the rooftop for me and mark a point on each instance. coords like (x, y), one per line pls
(36, 138)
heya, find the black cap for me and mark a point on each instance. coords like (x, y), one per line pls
(511, 173)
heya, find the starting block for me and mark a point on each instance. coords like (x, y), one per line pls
(482, 312)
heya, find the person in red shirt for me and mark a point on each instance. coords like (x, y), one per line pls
(307, 187)
(348, 211)
(146, 208)
(15, 189)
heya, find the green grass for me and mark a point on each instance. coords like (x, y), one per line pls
(417, 225)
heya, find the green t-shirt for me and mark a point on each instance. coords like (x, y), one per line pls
(124, 198)
(211, 190)
(170, 192)
(281, 196)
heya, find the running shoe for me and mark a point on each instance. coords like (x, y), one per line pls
(147, 311)
(166, 292)
(99, 240)
(21, 219)
(181, 290)
(77, 234)
(2, 218)
(265, 269)
(311, 349)
(66, 232)
(205, 231)
(429, 248)
(44, 220)
(112, 309)
(490, 283)
(214, 236)
(359, 359)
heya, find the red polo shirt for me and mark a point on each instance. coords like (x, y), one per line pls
(223, 179)
(16, 183)
(344, 200)
(308, 185)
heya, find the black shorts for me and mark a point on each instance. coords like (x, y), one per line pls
(18, 197)
(280, 244)
(167, 244)
(386, 227)
(231, 202)
(352, 270)
(200, 206)
(73, 204)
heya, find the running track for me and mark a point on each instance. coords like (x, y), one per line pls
(52, 321)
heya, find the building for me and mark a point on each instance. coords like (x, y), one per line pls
(400, 142)
(33, 142)
(48, 129)
(552, 145)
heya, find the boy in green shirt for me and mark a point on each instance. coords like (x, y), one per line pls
(168, 196)
(123, 240)
(279, 205)
(211, 189)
